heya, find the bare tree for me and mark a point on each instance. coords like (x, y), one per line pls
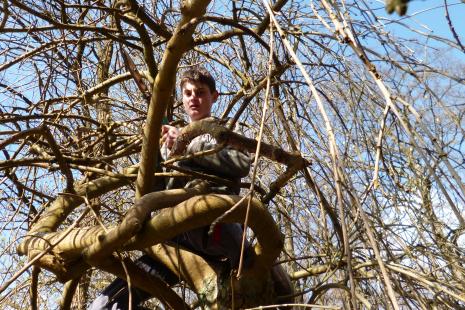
(358, 135)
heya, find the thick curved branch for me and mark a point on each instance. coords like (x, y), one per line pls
(201, 211)
(180, 42)
(195, 212)
(93, 244)
(134, 220)
(200, 275)
(65, 204)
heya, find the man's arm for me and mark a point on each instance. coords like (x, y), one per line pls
(229, 163)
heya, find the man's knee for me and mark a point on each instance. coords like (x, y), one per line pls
(282, 284)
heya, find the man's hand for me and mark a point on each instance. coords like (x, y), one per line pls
(169, 135)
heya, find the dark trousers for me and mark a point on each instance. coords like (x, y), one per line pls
(225, 242)
(116, 295)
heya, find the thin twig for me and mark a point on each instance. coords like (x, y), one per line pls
(451, 27)
(257, 152)
(39, 256)
(332, 142)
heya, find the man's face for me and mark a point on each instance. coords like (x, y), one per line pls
(197, 100)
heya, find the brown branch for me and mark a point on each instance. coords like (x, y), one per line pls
(43, 48)
(131, 67)
(200, 211)
(20, 135)
(452, 28)
(64, 205)
(200, 275)
(134, 220)
(9, 118)
(158, 28)
(133, 20)
(68, 293)
(294, 161)
(180, 42)
(64, 166)
(237, 141)
(281, 181)
(33, 289)
(44, 131)
(60, 25)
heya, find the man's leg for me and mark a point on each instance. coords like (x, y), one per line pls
(225, 241)
(116, 295)
(282, 284)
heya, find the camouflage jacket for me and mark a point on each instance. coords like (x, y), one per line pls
(228, 163)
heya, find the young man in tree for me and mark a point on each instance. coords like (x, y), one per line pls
(198, 96)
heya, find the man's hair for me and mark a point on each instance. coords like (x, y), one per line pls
(198, 74)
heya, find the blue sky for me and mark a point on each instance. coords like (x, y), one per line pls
(428, 17)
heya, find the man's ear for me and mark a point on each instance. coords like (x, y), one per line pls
(215, 95)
